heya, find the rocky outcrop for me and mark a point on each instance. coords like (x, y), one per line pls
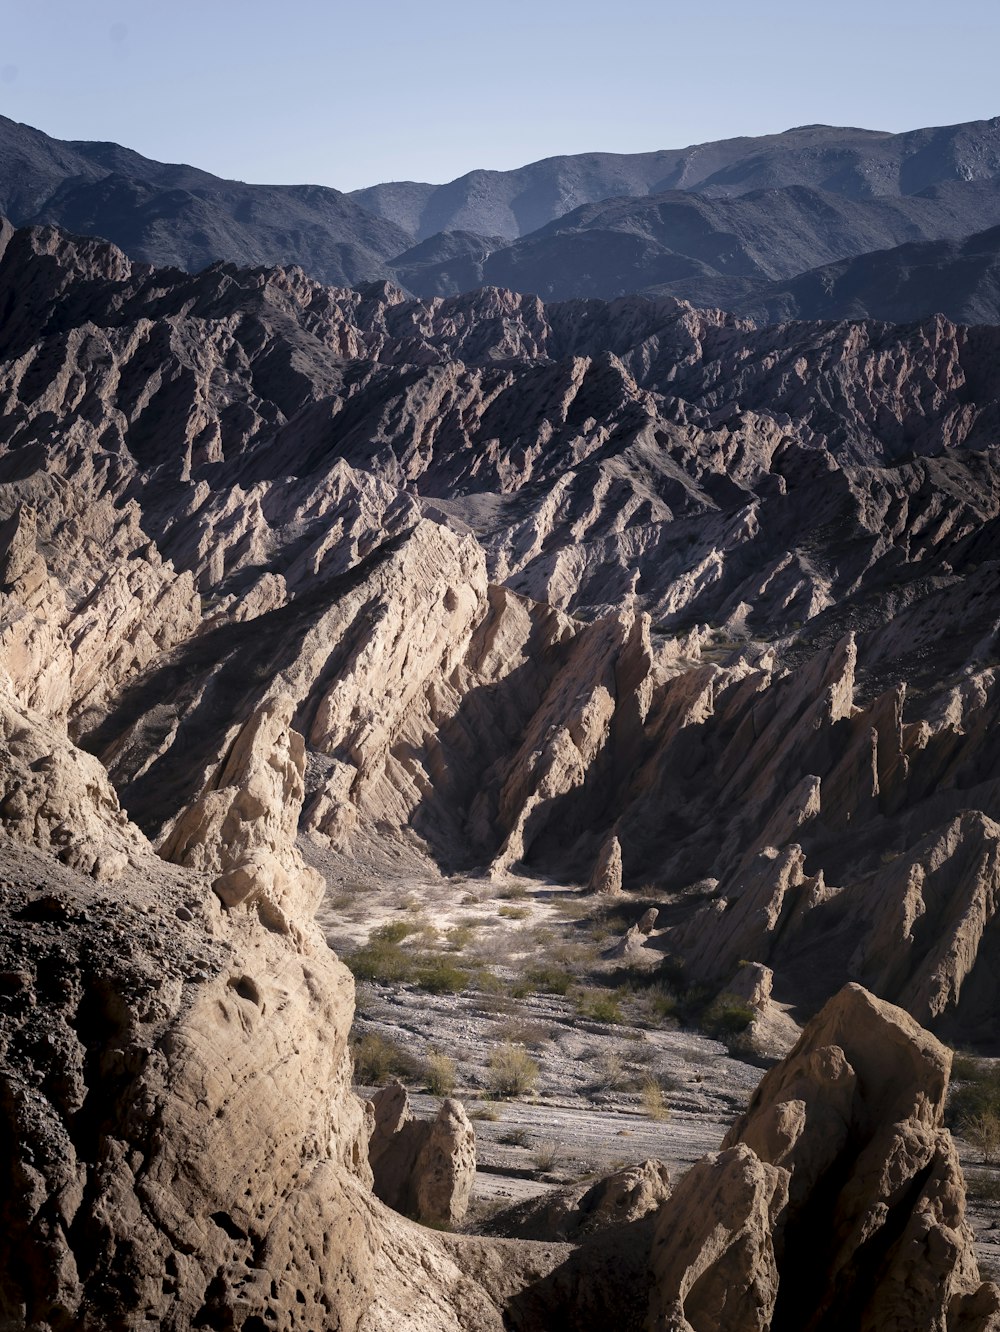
(175, 1099)
(570, 1212)
(243, 827)
(771, 1032)
(837, 1199)
(607, 874)
(57, 799)
(422, 1168)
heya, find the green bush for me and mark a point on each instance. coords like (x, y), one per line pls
(975, 1090)
(393, 931)
(546, 980)
(382, 960)
(459, 937)
(439, 976)
(602, 1008)
(726, 1015)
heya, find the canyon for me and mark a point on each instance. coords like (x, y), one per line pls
(626, 601)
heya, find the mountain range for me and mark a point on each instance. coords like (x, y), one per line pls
(816, 222)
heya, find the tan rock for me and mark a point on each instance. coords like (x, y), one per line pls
(422, 1168)
(713, 1259)
(243, 828)
(575, 1210)
(607, 873)
(849, 1126)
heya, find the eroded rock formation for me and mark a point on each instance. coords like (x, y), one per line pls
(422, 1168)
(836, 1201)
(626, 585)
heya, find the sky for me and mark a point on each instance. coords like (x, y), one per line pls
(331, 93)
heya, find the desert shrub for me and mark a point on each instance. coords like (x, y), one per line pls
(458, 937)
(611, 1073)
(382, 960)
(545, 1155)
(441, 1073)
(511, 1071)
(513, 912)
(975, 1090)
(652, 1101)
(601, 1008)
(515, 1137)
(513, 892)
(524, 1031)
(657, 1004)
(982, 1131)
(727, 1015)
(393, 931)
(965, 1067)
(439, 976)
(492, 997)
(545, 980)
(983, 1186)
(378, 1058)
(491, 1113)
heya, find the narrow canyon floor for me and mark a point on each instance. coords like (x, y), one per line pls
(620, 1074)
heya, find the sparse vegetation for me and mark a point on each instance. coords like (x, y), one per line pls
(439, 976)
(727, 1015)
(459, 937)
(441, 1073)
(983, 1186)
(378, 1058)
(612, 1072)
(601, 1007)
(657, 1006)
(490, 1113)
(652, 1100)
(982, 1131)
(382, 960)
(515, 1137)
(514, 913)
(524, 1031)
(545, 980)
(393, 931)
(975, 1090)
(511, 1071)
(545, 1156)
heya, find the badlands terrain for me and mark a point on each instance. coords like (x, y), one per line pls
(612, 686)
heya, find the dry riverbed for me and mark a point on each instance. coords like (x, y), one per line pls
(619, 1076)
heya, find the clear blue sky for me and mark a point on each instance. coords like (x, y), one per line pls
(351, 94)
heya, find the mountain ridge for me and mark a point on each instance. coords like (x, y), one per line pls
(717, 224)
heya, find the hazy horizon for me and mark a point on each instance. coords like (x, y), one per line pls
(324, 94)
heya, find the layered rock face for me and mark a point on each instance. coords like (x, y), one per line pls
(631, 595)
(630, 592)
